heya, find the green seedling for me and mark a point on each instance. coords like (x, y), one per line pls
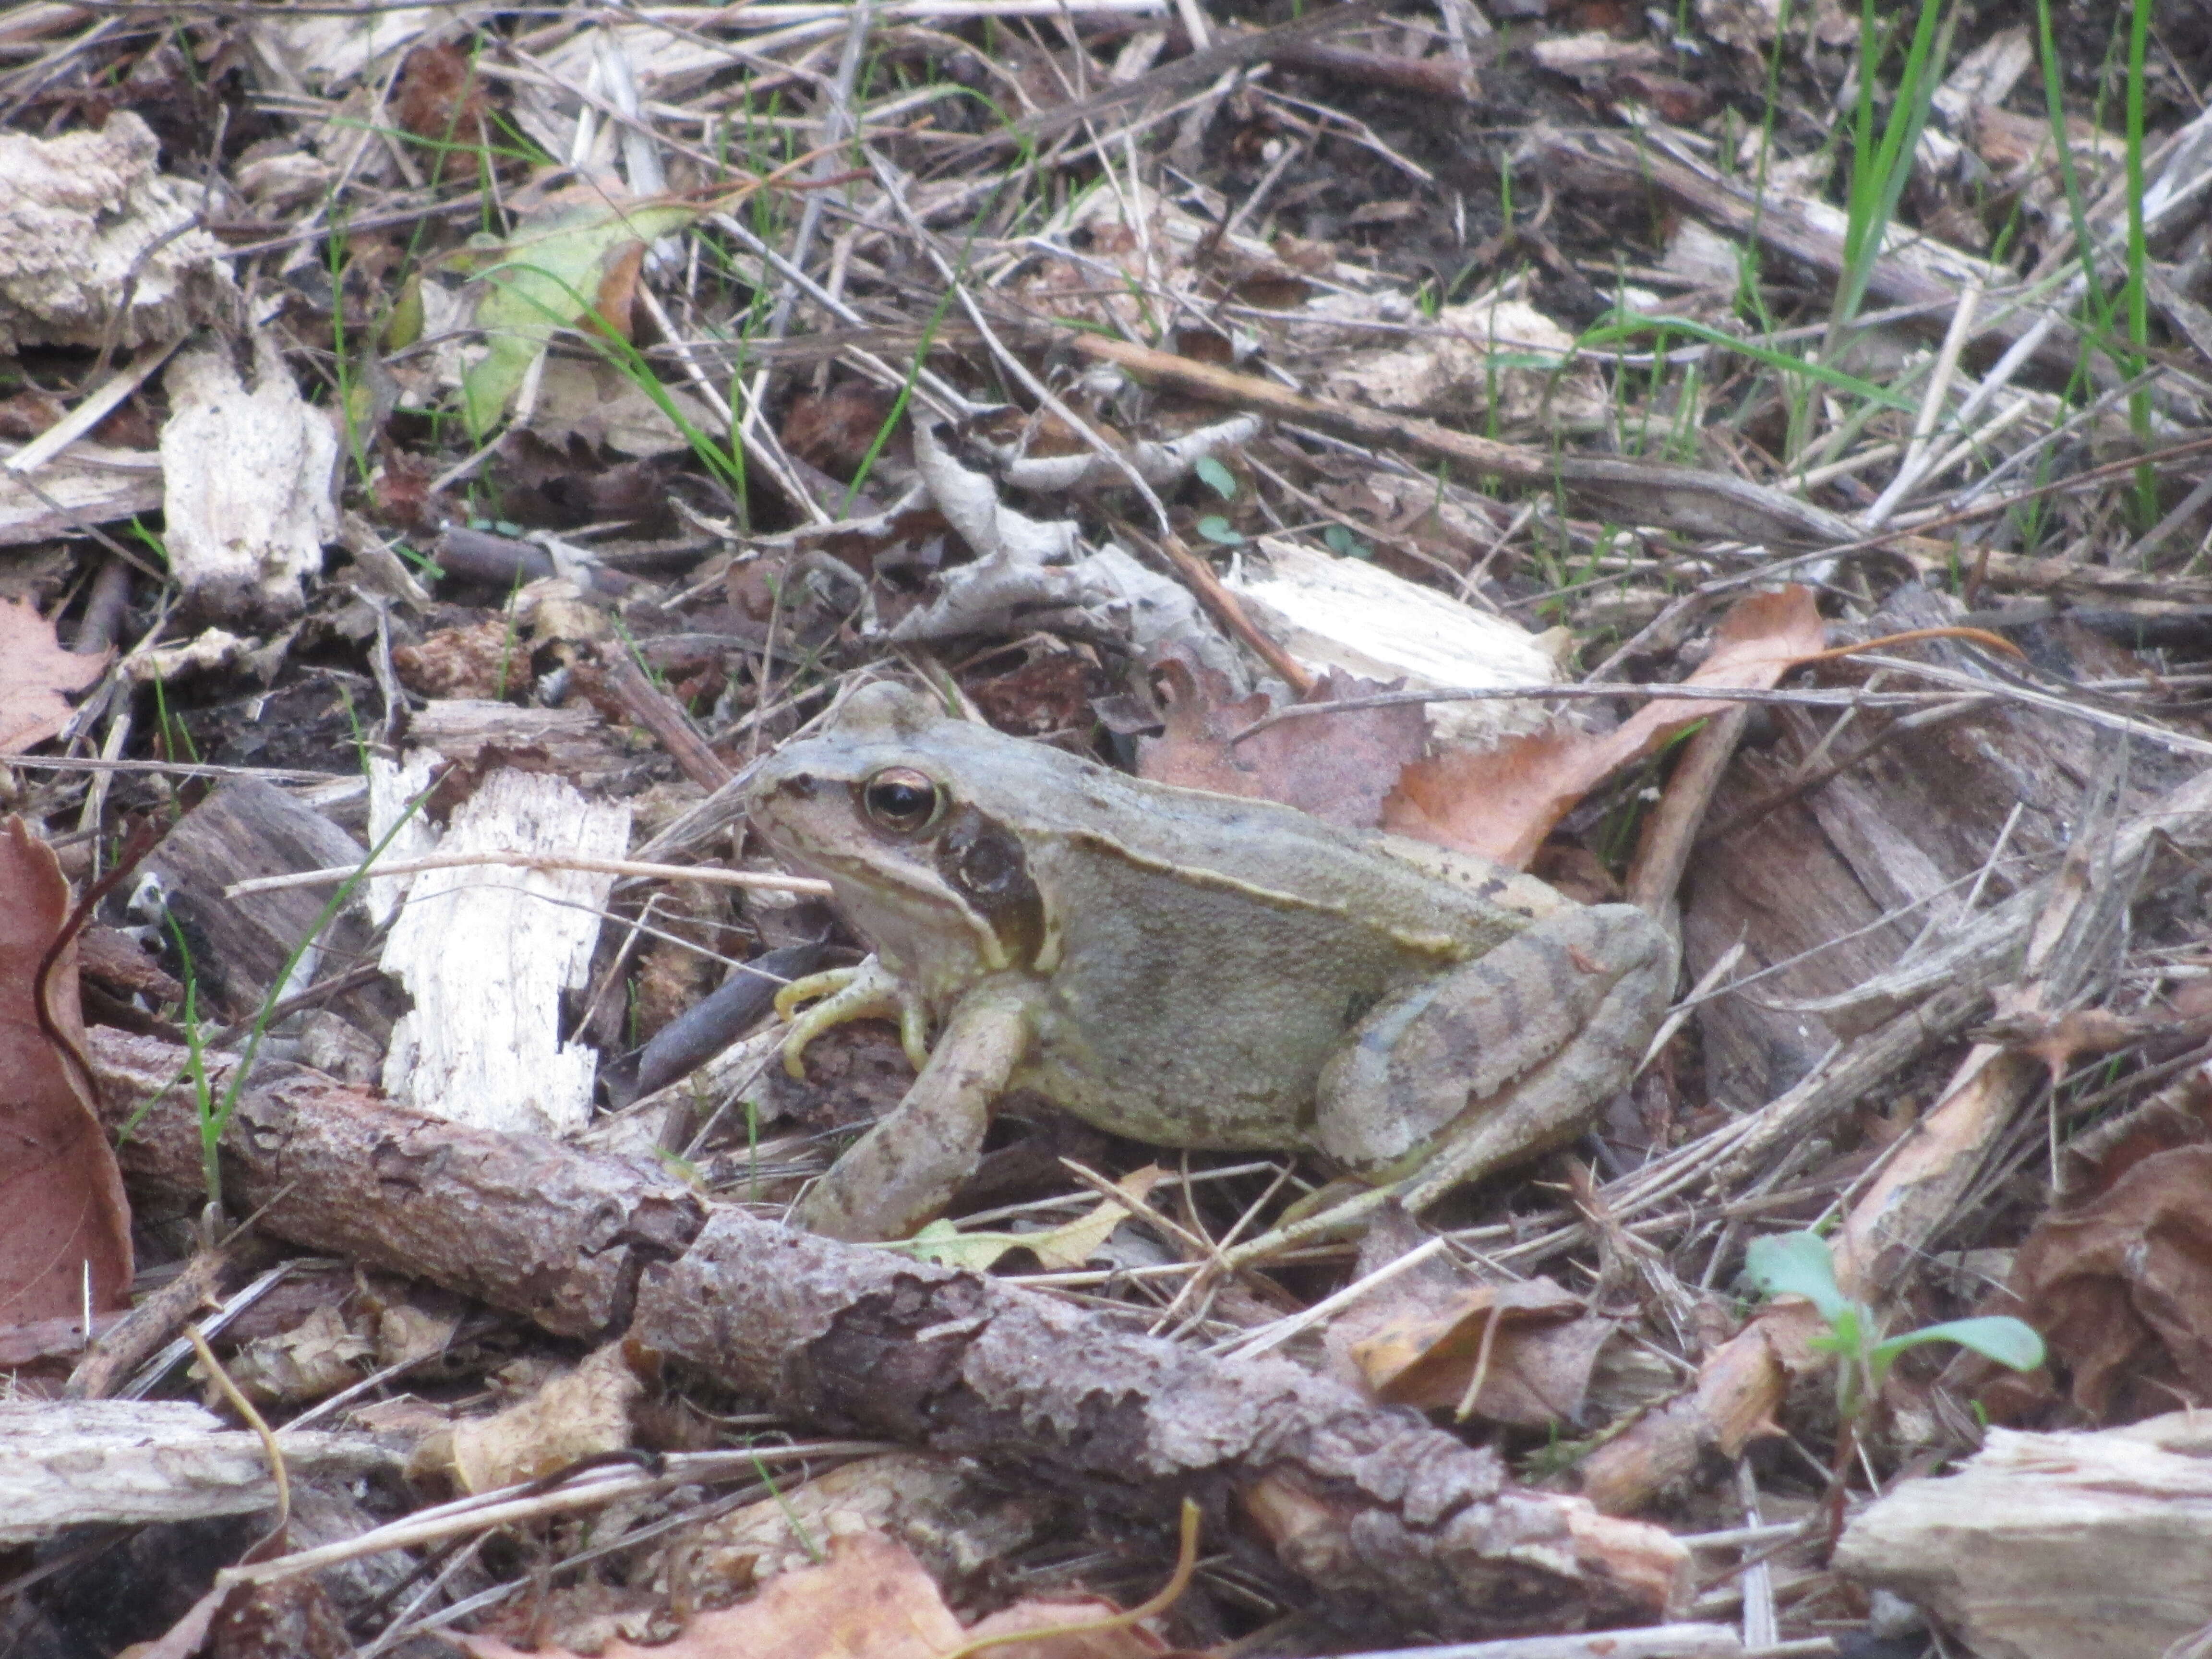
(1345, 545)
(1882, 150)
(1800, 1264)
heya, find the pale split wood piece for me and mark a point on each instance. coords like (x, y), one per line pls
(487, 956)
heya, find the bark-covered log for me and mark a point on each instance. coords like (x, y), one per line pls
(1357, 1498)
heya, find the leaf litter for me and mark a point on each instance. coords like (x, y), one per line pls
(532, 410)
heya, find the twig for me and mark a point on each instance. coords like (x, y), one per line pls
(1182, 76)
(710, 875)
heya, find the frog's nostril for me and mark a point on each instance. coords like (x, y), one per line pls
(799, 785)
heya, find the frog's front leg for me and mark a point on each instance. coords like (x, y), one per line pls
(868, 990)
(905, 1170)
(1502, 1057)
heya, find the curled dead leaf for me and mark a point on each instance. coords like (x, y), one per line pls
(1524, 1351)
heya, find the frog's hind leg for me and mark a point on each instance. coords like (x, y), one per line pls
(1502, 1058)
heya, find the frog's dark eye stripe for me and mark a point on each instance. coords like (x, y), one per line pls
(984, 863)
(902, 800)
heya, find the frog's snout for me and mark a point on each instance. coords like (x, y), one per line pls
(780, 781)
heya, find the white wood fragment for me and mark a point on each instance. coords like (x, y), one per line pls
(1344, 613)
(392, 785)
(248, 478)
(119, 1462)
(486, 951)
(2062, 1546)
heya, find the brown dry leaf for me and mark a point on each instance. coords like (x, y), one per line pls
(592, 401)
(872, 1600)
(2061, 1042)
(583, 1414)
(1340, 768)
(405, 1332)
(319, 1356)
(2121, 1286)
(837, 430)
(616, 302)
(483, 661)
(944, 1507)
(63, 1220)
(35, 672)
(1683, 103)
(1535, 1373)
(1502, 802)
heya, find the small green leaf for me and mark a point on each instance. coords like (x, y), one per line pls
(1215, 528)
(404, 326)
(1998, 1336)
(544, 280)
(1796, 1264)
(942, 1243)
(1216, 478)
(1342, 541)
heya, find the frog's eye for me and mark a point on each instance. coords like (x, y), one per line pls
(903, 800)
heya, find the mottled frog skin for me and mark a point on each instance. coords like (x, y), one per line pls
(1195, 970)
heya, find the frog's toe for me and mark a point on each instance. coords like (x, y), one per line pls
(826, 985)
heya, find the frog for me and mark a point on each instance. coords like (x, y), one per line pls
(1189, 969)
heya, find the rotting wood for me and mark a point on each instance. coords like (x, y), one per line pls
(660, 715)
(249, 485)
(2070, 1546)
(1828, 891)
(250, 827)
(110, 1463)
(1355, 1497)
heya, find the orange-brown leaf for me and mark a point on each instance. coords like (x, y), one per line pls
(1503, 802)
(1337, 767)
(63, 1220)
(614, 304)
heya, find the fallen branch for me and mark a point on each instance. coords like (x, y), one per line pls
(1357, 1498)
(1684, 498)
